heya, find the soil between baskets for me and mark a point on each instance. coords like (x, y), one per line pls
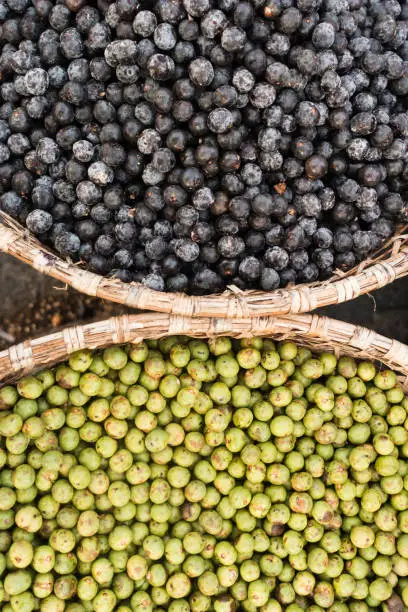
(32, 304)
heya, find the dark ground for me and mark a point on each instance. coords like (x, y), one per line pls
(32, 304)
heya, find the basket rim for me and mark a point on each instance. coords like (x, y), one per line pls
(320, 333)
(388, 264)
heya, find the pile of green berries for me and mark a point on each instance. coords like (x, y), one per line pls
(215, 475)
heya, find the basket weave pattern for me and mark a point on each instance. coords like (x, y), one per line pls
(390, 264)
(317, 333)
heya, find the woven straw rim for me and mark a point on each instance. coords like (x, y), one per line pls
(390, 263)
(313, 331)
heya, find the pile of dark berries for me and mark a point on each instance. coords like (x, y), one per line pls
(190, 145)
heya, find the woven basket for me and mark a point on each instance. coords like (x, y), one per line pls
(317, 333)
(390, 263)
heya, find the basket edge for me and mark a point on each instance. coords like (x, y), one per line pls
(18, 242)
(316, 332)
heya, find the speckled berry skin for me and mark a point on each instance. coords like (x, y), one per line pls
(192, 145)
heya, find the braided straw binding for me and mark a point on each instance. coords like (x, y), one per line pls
(390, 263)
(317, 333)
